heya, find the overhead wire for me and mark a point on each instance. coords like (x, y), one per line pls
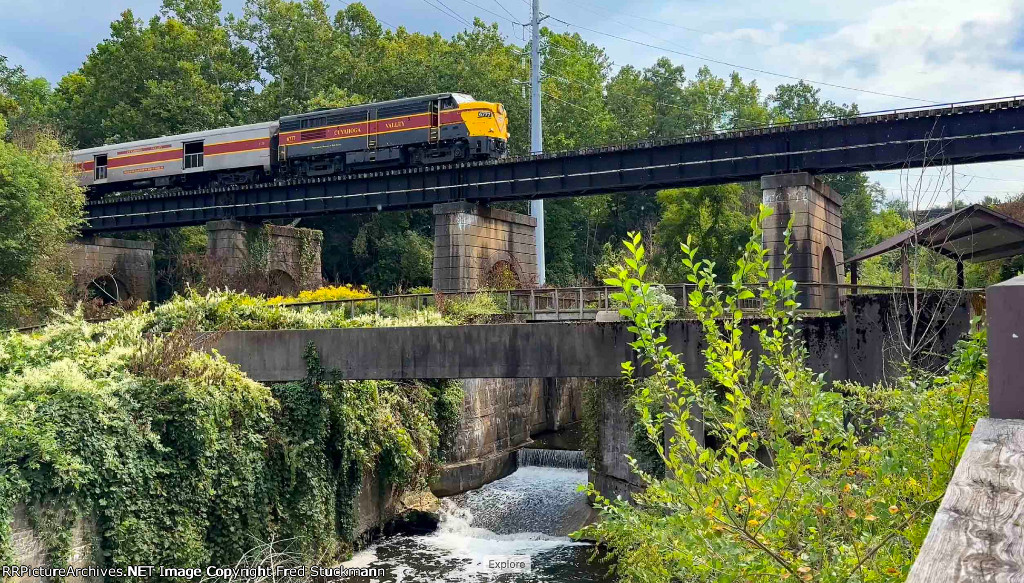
(506, 10)
(447, 11)
(380, 20)
(491, 12)
(690, 110)
(738, 66)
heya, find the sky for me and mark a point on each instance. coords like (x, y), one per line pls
(880, 54)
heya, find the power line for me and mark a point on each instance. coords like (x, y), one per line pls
(380, 20)
(564, 102)
(991, 178)
(506, 10)
(448, 11)
(491, 12)
(737, 66)
(679, 26)
(689, 110)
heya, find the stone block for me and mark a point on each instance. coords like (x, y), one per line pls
(470, 241)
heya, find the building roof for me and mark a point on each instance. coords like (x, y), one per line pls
(974, 234)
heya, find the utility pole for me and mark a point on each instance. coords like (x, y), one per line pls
(536, 133)
(952, 204)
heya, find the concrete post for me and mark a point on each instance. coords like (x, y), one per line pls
(1005, 345)
(817, 236)
(470, 241)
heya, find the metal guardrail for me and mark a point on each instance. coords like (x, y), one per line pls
(575, 303)
(583, 302)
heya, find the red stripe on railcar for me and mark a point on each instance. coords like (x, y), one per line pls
(85, 166)
(239, 146)
(164, 156)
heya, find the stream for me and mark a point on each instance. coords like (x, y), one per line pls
(527, 514)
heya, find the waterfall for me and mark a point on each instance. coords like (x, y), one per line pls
(551, 458)
(528, 513)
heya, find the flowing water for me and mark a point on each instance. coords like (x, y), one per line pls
(526, 514)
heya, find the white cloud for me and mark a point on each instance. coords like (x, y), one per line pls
(759, 36)
(942, 50)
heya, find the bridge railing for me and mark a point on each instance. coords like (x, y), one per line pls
(584, 302)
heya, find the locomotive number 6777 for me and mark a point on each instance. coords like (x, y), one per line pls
(416, 131)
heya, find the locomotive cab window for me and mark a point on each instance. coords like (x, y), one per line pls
(314, 122)
(101, 166)
(193, 155)
(448, 103)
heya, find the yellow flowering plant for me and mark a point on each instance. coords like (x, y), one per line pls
(328, 293)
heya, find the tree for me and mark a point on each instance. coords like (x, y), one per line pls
(24, 100)
(180, 72)
(802, 101)
(709, 214)
(298, 50)
(40, 211)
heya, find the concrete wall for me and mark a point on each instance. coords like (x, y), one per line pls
(509, 351)
(293, 263)
(612, 476)
(885, 330)
(130, 263)
(469, 240)
(817, 214)
(29, 550)
(375, 507)
(500, 416)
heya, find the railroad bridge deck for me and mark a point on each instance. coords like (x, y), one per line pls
(954, 134)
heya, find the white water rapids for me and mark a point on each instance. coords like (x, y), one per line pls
(528, 513)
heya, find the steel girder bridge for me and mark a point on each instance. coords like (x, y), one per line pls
(952, 134)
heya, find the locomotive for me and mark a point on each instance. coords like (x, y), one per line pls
(415, 131)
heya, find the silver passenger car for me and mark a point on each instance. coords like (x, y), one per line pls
(232, 155)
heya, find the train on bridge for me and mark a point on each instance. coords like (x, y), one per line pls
(415, 131)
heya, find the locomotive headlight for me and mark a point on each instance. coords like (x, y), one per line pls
(484, 114)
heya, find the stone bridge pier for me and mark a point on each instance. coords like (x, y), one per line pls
(817, 236)
(478, 246)
(114, 269)
(288, 258)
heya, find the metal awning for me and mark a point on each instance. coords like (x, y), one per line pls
(973, 234)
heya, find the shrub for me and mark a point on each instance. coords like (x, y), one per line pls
(325, 294)
(806, 482)
(471, 308)
(180, 458)
(228, 310)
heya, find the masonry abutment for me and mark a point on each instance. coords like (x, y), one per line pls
(289, 258)
(471, 241)
(126, 264)
(817, 235)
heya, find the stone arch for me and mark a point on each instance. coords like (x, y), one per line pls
(108, 289)
(282, 283)
(830, 277)
(501, 271)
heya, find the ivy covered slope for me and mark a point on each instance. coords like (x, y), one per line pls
(182, 460)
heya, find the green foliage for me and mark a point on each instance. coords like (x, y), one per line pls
(472, 308)
(24, 101)
(177, 73)
(40, 211)
(226, 310)
(710, 214)
(181, 459)
(799, 480)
